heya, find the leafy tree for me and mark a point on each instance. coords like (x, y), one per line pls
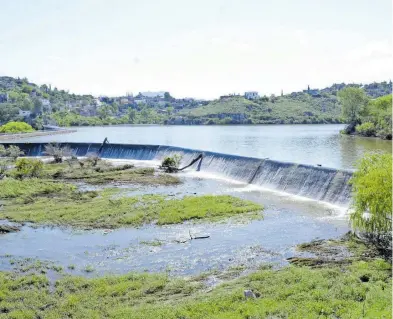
(16, 127)
(131, 115)
(372, 194)
(353, 101)
(38, 108)
(8, 112)
(57, 152)
(14, 152)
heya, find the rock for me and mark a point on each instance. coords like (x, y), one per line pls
(4, 229)
(249, 294)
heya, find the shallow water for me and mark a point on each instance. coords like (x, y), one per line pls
(306, 144)
(287, 221)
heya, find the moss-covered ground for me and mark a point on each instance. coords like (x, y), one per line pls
(53, 199)
(357, 289)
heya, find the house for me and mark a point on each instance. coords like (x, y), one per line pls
(149, 94)
(251, 95)
(312, 92)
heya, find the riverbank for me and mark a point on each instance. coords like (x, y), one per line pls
(356, 286)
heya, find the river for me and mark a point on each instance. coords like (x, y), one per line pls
(309, 144)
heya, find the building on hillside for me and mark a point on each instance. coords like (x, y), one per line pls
(312, 92)
(149, 94)
(251, 95)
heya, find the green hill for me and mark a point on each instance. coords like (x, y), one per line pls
(299, 108)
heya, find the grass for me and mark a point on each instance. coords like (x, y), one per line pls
(359, 290)
(13, 188)
(107, 209)
(105, 172)
(284, 110)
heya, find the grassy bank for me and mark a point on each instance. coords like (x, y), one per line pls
(109, 209)
(355, 289)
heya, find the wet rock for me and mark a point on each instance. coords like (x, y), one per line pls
(5, 229)
(249, 294)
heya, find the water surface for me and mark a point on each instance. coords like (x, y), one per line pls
(307, 144)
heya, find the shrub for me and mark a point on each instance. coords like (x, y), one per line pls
(93, 158)
(372, 194)
(26, 167)
(14, 152)
(3, 151)
(171, 164)
(366, 129)
(16, 127)
(57, 152)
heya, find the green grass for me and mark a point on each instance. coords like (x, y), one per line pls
(291, 292)
(108, 209)
(105, 172)
(13, 188)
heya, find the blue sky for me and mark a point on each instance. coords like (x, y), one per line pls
(202, 48)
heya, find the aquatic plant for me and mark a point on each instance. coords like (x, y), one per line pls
(171, 164)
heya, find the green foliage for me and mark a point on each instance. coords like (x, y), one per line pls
(14, 152)
(14, 188)
(291, 292)
(366, 129)
(353, 101)
(372, 194)
(83, 210)
(3, 151)
(16, 127)
(26, 167)
(379, 112)
(171, 163)
(57, 152)
(284, 110)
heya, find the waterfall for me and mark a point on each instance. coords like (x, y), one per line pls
(315, 182)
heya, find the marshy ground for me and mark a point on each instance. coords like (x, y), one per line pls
(151, 216)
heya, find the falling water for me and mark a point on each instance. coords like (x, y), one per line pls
(314, 182)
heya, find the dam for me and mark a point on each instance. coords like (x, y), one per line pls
(313, 182)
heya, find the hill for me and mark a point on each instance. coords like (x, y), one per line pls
(301, 108)
(22, 100)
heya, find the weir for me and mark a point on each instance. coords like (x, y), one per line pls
(314, 182)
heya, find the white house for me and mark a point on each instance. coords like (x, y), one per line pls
(251, 95)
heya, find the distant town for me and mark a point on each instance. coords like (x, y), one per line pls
(21, 99)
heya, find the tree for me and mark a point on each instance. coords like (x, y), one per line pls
(16, 127)
(131, 115)
(353, 101)
(372, 194)
(38, 108)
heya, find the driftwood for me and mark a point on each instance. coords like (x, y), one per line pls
(102, 146)
(199, 157)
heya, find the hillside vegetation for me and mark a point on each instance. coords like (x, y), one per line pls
(37, 105)
(301, 108)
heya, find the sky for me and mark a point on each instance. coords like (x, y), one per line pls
(201, 49)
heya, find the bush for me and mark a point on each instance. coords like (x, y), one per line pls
(57, 152)
(366, 129)
(3, 151)
(26, 167)
(16, 127)
(372, 194)
(14, 152)
(171, 163)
